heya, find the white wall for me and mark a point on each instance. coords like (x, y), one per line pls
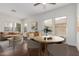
(29, 21)
(6, 19)
(77, 25)
(70, 12)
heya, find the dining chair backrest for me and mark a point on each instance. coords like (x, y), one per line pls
(19, 38)
(34, 34)
(32, 44)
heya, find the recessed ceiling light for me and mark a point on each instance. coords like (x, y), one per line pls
(44, 3)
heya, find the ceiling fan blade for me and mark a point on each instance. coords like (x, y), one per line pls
(52, 3)
(36, 4)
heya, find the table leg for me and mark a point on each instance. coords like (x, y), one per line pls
(44, 49)
(13, 44)
(9, 43)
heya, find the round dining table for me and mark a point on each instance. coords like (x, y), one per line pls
(45, 40)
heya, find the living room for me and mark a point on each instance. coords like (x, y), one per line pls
(45, 24)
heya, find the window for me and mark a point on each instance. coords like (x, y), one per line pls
(60, 26)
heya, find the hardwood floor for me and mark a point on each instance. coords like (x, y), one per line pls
(22, 51)
(73, 51)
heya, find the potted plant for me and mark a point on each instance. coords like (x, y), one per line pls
(46, 30)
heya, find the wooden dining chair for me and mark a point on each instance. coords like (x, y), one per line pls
(15, 41)
(33, 47)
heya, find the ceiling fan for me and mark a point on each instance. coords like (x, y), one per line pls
(44, 3)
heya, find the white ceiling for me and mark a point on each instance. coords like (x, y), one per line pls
(27, 9)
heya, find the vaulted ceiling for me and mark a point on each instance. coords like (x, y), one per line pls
(23, 10)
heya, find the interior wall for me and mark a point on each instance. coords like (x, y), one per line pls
(7, 19)
(78, 26)
(29, 22)
(70, 12)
